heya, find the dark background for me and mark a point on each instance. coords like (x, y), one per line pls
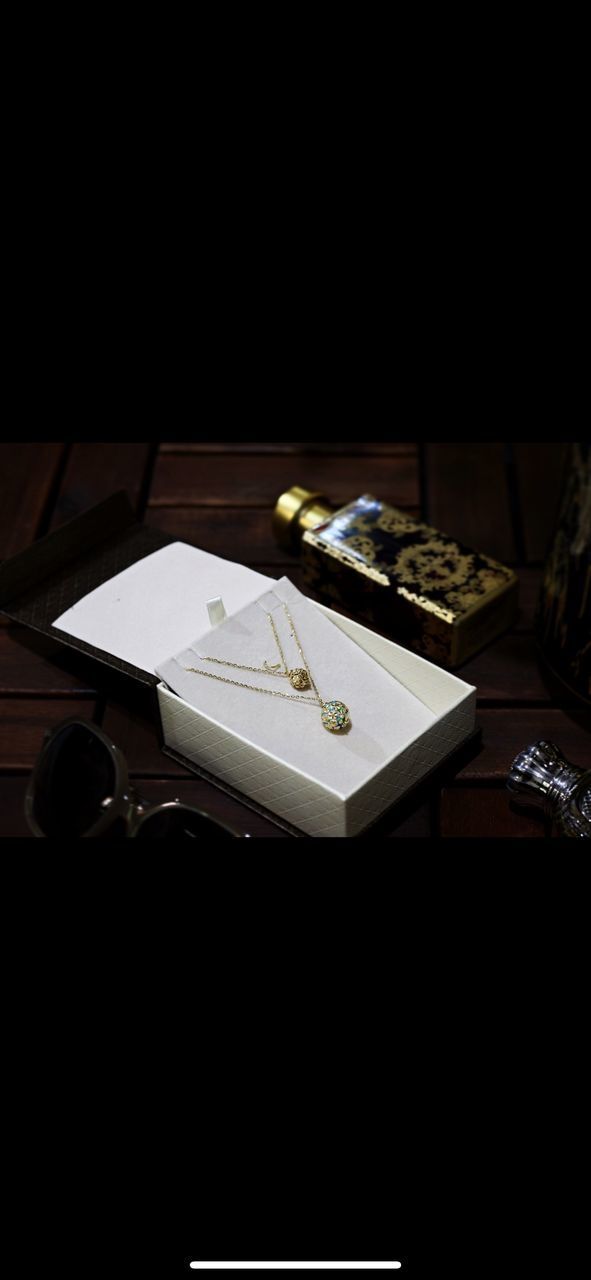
(499, 498)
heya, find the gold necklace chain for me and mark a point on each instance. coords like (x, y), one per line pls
(267, 669)
(299, 677)
(278, 642)
(335, 715)
(273, 693)
(301, 651)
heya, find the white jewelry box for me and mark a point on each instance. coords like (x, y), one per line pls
(313, 808)
(99, 578)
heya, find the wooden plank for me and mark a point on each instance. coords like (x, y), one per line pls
(236, 533)
(12, 806)
(204, 795)
(465, 811)
(95, 471)
(508, 671)
(35, 665)
(291, 570)
(27, 472)
(484, 812)
(218, 480)
(467, 497)
(23, 722)
(506, 731)
(133, 729)
(192, 791)
(530, 581)
(416, 825)
(394, 448)
(541, 472)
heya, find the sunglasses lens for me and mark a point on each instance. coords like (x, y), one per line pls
(179, 823)
(76, 776)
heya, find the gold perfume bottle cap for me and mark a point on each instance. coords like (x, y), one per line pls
(295, 511)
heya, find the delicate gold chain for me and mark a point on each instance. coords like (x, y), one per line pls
(242, 666)
(278, 643)
(294, 634)
(275, 693)
(224, 662)
(268, 669)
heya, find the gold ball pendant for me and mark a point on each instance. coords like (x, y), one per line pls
(299, 678)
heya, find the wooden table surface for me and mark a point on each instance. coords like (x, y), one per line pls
(498, 498)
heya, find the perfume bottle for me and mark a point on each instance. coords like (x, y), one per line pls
(422, 588)
(542, 776)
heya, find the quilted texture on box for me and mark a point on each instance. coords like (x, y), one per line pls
(302, 802)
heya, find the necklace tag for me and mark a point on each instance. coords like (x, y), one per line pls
(216, 611)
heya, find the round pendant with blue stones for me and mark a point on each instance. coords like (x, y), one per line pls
(335, 716)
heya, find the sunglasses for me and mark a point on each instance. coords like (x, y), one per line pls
(80, 787)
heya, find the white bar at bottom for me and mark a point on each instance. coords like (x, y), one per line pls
(294, 1266)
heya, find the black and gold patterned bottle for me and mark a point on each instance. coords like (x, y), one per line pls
(423, 588)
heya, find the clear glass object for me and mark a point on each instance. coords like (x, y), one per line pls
(541, 775)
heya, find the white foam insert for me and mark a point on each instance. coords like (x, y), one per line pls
(386, 716)
(157, 605)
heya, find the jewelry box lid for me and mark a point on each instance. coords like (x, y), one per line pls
(38, 584)
(126, 594)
